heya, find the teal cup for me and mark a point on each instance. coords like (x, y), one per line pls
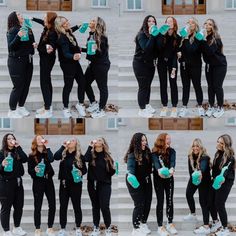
(76, 176)
(164, 28)
(91, 47)
(41, 167)
(9, 166)
(83, 27)
(154, 30)
(165, 171)
(132, 180)
(196, 177)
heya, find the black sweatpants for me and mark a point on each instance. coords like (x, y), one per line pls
(70, 190)
(191, 73)
(20, 70)
(164, 71)
(203, 191)
(164, 185)
(144, 74)
(72, 71)
(99, 73)
(41, 186)
(142, 197)
(215, 76)
(218, 199)
(11, 194)
(46, 65)
(100, 194)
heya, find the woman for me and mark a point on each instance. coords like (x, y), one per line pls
(70, 157)
(191, 67)
(69, 54)
(42, 182)
(12, 158)
(167, 65)
(20, 63)
(163, 155)
(100, 171)
(198, 160)
(139, 164)
(98, 68)
(224, 157)
(47, 55)
(216, 68)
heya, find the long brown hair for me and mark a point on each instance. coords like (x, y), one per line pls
(5, 148)
(175, 30)
(100, 31)
(51, 16)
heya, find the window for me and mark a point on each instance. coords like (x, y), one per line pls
(99, 3)
(134, 5)
(112, 123)
(2, 2)
(230, 4)
(167, 2)
(5, 123)
(230, 121)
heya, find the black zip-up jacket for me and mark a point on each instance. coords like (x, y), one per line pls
(48, 158)
(212, 54)
(101, 56)
(18, 48)
(230, 173)
(66, 49)
(145, 50)
(66, 165)
(50, 39)
(19, 157)
(102, 171)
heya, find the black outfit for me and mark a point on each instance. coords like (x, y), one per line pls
(167, 60)
(203, 187)
(215, 70)
(71, 68)
(142, 196)
(99, 186)
(98, 70)
(219, 197)
(11, 188)
(191, 68)
(164, 185)
(20, 66)
(43, 185)
(68, 188)
(143, 66)
(46, 62)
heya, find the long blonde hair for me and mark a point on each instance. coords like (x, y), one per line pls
(100, 30)
(59, 21)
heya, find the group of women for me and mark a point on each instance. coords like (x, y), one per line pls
(72, 168)
(57, 35)
(140, 159)
(163, 50)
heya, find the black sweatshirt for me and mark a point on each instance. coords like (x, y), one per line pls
(230, 173)
(47, 157)
(19, 157)
(145, 48)
(16, 47)
(51, 39)
(102, 171)
(66, 165)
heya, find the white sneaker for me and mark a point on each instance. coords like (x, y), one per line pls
(18, 231)
(201, 111)
(173, 112)
(42, 109)
(62, 232)
(67, 113)
(144, 228)
(7, 233)
(163, 112)
(138, 232)
(78, 232)
(81, 109)
(50, 232)
(215, 226)
(218, 112)
(96, 231)
(161, 231)
(92, 107)
(14, 114)
(23, 111)
(108, 232)
(171, 228)
(210, 111)
(150, 108)
(223, 232)
(98, 113)
(37, 232)
(183, 112)
(191, 218)
(202, 230)
(44, 114)
(145, 113)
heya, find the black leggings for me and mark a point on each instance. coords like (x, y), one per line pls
(142, 197)
(41, 186)
(20, 70)
(100, 194)
(11, 194)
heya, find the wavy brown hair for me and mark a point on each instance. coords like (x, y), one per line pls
(51, 16)
(100, 31)
(5, 148)
(175, 30)
(144, 28)
(12, 21)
